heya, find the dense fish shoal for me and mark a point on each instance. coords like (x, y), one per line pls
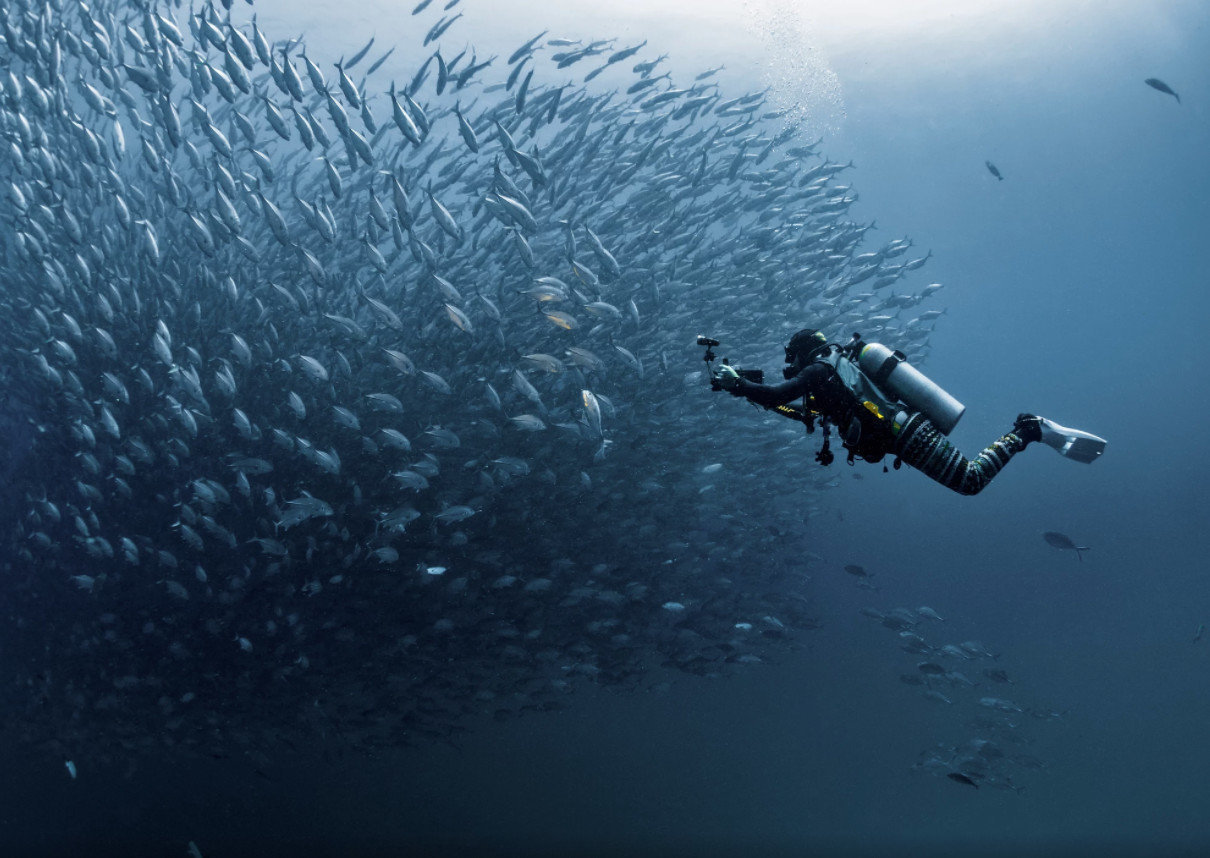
(337, 403)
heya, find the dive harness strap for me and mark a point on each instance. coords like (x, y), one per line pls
(884, 370)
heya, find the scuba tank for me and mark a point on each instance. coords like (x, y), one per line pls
(890, 370)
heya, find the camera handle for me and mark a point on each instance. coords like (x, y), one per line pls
(709, 356)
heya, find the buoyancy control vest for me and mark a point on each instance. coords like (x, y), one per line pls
(869, 428)
(886, 392)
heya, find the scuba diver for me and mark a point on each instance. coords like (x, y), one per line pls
(880, 404)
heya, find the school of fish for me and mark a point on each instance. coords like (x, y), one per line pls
(971, 683)
(349, 407)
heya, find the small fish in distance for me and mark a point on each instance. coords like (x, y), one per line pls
(958, 777)
(1156, 83)
(1064, 543)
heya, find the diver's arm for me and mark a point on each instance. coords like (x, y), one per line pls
(773, 395)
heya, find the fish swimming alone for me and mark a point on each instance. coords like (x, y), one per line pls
(991, 168)
(1064, 543)
(1156, 83)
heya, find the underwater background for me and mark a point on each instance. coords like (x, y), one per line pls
(1073, 288)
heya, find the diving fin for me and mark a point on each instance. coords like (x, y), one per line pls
(1072, 443)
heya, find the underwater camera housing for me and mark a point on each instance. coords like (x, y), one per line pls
(756, 376)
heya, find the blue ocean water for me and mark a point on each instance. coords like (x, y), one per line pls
(1071, 290)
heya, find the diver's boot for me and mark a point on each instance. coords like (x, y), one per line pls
(1028, 428)
(1072, 443)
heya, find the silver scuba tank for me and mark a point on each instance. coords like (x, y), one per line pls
(890, 370)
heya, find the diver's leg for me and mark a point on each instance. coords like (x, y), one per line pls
(922, 446)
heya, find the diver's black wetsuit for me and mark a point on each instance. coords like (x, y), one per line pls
(818, 382)
(917, 442)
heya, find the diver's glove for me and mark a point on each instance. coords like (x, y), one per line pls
(727, 378)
